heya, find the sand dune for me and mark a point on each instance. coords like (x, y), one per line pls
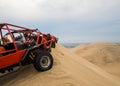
(69, 70)
(105, 55)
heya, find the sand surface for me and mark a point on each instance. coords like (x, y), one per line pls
(69, 69)
(105, 55)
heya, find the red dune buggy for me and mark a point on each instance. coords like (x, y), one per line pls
(20, 46)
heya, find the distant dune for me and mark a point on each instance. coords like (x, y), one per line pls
(69, 70)
(105, 55)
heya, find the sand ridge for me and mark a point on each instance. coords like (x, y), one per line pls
(105, 55)
(69, 70)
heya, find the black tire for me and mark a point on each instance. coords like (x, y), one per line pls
(43, 61)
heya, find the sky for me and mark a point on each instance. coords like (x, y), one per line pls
(69, 20)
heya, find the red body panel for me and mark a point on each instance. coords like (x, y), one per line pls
(11, 59)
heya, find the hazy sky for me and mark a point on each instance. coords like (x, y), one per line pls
(69, 20)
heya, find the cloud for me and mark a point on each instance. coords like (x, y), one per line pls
(56, 9)
(70, 20)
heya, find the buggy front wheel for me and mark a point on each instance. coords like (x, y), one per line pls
(43, 61)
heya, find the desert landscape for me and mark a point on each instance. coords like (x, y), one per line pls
(75, 42)
(95, 64)
(104, 55)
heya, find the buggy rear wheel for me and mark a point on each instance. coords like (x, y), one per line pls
(43, 61)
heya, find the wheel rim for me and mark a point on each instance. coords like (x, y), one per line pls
(44, 61)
